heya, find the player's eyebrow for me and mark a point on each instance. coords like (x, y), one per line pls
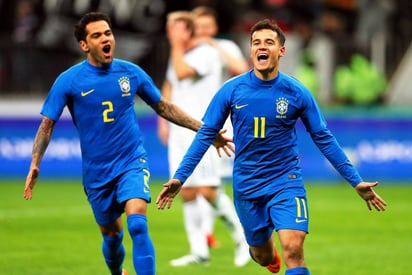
(98, 33)
(266, 40)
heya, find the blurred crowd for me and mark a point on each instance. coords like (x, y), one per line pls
(345, 51)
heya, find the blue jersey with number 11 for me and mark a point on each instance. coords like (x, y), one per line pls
(101, 103)
(264, 115)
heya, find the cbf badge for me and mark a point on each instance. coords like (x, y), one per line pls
(281, 107)
(124, 84)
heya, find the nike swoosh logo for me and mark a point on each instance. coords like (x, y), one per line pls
(86, 93)
(240, 106)
(299, 221)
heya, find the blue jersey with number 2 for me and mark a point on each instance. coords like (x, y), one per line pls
(101, 103)
(264, 115)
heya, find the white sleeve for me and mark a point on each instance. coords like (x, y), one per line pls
(230, 47)
(202, 59)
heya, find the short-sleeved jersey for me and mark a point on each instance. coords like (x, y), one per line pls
(101, 103)
(264, 115)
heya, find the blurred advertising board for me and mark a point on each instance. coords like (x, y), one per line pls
(380, 148)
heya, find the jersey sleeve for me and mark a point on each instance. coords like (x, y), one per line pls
(218, 110)
(147, 90)
(214, 119)
(202, 141)
(326, 141)
(57, 97)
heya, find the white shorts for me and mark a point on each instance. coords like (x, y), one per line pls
(207, 171)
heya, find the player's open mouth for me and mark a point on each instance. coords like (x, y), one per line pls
(106, 50)
(263, 57)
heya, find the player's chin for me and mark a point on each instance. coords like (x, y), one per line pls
(107, 60)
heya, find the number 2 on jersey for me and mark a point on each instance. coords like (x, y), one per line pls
(107, 111)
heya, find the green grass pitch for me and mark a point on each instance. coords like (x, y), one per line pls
(55, 233)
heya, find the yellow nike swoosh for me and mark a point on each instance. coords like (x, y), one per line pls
(86, 93)
(299, 221)
(240, 106)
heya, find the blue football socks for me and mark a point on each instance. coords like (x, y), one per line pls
(143, 250)
(301, 270)
(114, 252)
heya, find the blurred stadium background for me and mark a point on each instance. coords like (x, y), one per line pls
(354, 55)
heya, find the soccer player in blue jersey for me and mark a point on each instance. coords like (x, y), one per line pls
(99, 93)
(264, 105)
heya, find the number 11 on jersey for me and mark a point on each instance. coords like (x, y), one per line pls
(259, 128)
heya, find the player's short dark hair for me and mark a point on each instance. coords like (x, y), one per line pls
(266, 24)
(80, 27)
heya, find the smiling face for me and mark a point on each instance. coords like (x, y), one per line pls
(265, 52)
(99, 43)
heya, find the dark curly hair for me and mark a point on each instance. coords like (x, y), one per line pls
(80, 27)
(271, 25)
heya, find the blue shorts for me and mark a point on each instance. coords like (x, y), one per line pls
(108, 201)
(286, 209)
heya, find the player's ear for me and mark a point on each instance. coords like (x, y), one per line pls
(83, 45)
(282, 51)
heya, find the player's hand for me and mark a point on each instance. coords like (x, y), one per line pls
(224, 143)
(168, 193)
(178, 34)
(31, 180)
(367, 193)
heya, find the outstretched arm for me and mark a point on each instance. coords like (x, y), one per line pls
(162, 124)
(168, 193)
(176, 115)
(40, 144)
(371, 198)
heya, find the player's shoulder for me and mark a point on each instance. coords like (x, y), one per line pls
(205, 50)
(227, 43)
(76, 67)
(127, 66)
(73, 71)
(293, 84)
(124, 64)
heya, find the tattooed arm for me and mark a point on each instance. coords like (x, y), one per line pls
(41, 141)
(176, 115)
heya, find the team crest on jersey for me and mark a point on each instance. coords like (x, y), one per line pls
(124, 84)
(282, 107)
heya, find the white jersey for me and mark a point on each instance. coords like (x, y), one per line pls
(234, 50)
(226, 163)
(193, 95)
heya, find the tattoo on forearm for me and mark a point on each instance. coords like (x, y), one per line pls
(43, 137)
(177, 116)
